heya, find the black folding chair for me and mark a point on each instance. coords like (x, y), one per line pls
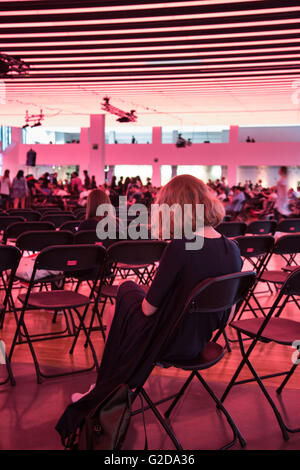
(288, 226)
(133, 255)
(261, 227)
(287, 246)
(58, 219)
(28, 214)
(67, 259)
(86, 237)
(34, 242)
(212, 295)
(14, 230)
(9, 260)
(7, 220)
(48, 210)
(257, 251)
(275, 330)
(71, 225)
(232, 229)
(80, 213)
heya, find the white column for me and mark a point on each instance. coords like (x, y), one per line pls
(97, 147)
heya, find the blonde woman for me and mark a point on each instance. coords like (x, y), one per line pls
(141, 321)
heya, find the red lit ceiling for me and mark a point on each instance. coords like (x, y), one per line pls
(174, 62)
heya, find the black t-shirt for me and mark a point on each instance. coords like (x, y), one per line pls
(217, 257)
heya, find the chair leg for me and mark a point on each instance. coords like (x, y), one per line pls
(162, 421)
(10, 373)
(286, 379)
(245, 360)
(179, 395)
(236, 432)
(228, 347)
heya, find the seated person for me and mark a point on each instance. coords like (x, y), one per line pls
(96, 198)
(141, 319)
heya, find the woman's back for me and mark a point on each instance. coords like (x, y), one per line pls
(183, 269)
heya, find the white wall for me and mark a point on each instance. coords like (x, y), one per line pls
(231, 155)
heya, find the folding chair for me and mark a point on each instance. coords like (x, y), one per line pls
(58, 219)
(288, 226)
(28, 214)
(212, 295)
(66, 259)
(71, 225)
(9, 260)
(34, 242)
(80, 213)
(261, 227)
(14, 230)
(232, 229)
(86, 237)
(7, 220)
(133, 255)
(257, 251)
(270, 329)
(43, 210)
(287, 246)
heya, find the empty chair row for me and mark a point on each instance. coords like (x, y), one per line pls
(258, 227)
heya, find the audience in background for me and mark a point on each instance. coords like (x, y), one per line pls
(19, 190)
(5, 189)
(242, 202)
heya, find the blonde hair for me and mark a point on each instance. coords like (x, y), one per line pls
(186, 189)
(95, 199)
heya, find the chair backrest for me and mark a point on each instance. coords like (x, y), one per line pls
(287, 244)
(138, 252)
(257, 250)
(9, 258)
(288, 226)
(14, 230)
(45, 210)
(86, 237)
(8, 220)
(252, 247)
(37, 241)
(232, 229)
(58, 219)
(71, 225)
(292, 283)
(262, 227)
(79, 212)
(28, 214)
(216, 294)
(70, 258)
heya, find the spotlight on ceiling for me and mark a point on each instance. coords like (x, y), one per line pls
(33, 118)
(123, 115)
(12, 66)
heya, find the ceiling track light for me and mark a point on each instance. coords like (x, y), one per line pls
(33, 118)
(123, 115)
(11, 66)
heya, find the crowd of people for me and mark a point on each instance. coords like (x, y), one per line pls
(241, 202)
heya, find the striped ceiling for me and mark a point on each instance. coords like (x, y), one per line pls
(174, 62)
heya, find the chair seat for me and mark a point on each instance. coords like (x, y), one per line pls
(132, 266)
(278, 277)
(57, 299)
(112, 290)
(109, 291)
(210, 355)
(291, 269)
(279, 330)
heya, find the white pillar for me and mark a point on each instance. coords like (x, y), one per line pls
(97, 147)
